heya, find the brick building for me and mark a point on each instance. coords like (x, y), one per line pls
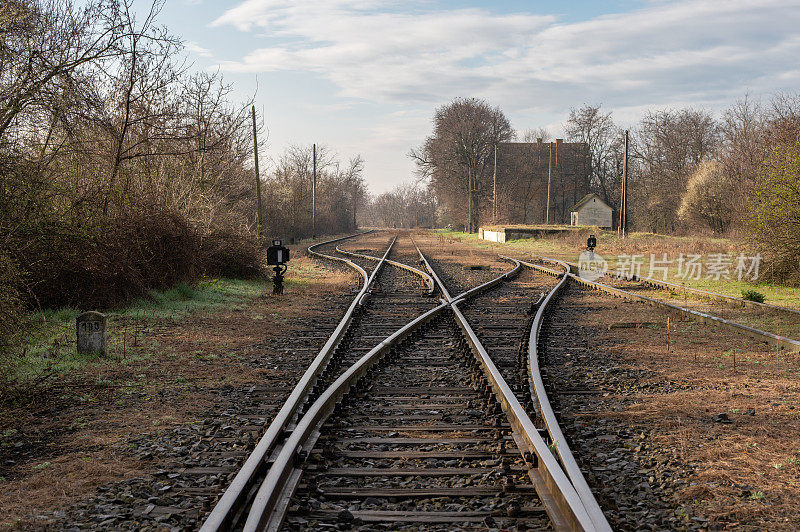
(522, 169)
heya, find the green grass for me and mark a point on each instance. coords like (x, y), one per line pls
(609, 246)
(183, 299)
(49, 347)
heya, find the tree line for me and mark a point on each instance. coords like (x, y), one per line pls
(689, 171)
(406, 206)
(289, 196)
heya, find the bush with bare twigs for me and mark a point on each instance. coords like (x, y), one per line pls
(120, 171)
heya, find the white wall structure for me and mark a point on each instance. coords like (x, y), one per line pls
(494, 236)
(591, 210)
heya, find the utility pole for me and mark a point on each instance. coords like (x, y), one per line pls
(549, 175)
(469, 200)
(623, 218)
(355, 202)
(494, 186)
(314, 194)
(258, 178)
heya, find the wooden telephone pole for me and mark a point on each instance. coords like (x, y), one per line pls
(469, 200)
(314, 194)
(549, 174)
(258, 178)
(623, 203)
(494, 187)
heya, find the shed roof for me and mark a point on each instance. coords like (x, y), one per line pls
(586, 199)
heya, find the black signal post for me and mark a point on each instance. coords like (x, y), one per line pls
(278, 256)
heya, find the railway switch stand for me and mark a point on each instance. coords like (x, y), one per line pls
(278, 256)
(591, 243)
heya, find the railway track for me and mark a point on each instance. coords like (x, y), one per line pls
(753, 314)
(369, 315)
(420, 430)
(558, 267)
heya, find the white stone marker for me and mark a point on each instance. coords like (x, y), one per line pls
(90, 328)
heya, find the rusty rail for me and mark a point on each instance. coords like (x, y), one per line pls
(567, 509)
(235, 498)
(545, 409)
(427, 279)
(269, 506)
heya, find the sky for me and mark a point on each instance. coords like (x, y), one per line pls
(366, 76)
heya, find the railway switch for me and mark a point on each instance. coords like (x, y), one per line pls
(278, 256)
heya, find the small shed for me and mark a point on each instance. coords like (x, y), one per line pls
(591, 210)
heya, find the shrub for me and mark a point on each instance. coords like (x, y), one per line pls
(774, 227)
(752, 295)
(709, 198)
(99, 261)
(227, 253)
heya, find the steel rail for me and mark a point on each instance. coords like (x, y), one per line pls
(566, 508)
(469, 293)
(778, 341)
(427, 279)
(271, 501)
(430, 269)
(235, 496)
(537, 385)
(666, 285)
(473, 291)
(545, 409)
(268, 508)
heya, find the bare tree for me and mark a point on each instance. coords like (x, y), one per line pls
(668, 147)
(407, 206)
(45, 46)
(456, 157)
(534, 135)
(119, 172)
(340, 191)
(353, 177)
(744, 149)
(596, 129)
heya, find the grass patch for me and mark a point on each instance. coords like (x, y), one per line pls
(569, 246)
(49, 347)
(183, 299)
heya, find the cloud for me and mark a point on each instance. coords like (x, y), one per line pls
(195, 48)
(416, 54)
(379, 50)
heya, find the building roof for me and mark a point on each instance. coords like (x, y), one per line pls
(585, 200)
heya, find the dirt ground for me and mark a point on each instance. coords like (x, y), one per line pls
(67, 438)
(746, 470)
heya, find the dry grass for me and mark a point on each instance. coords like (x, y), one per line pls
(62, 479)
(747, 472)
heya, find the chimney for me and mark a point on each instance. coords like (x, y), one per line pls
(539, 141)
